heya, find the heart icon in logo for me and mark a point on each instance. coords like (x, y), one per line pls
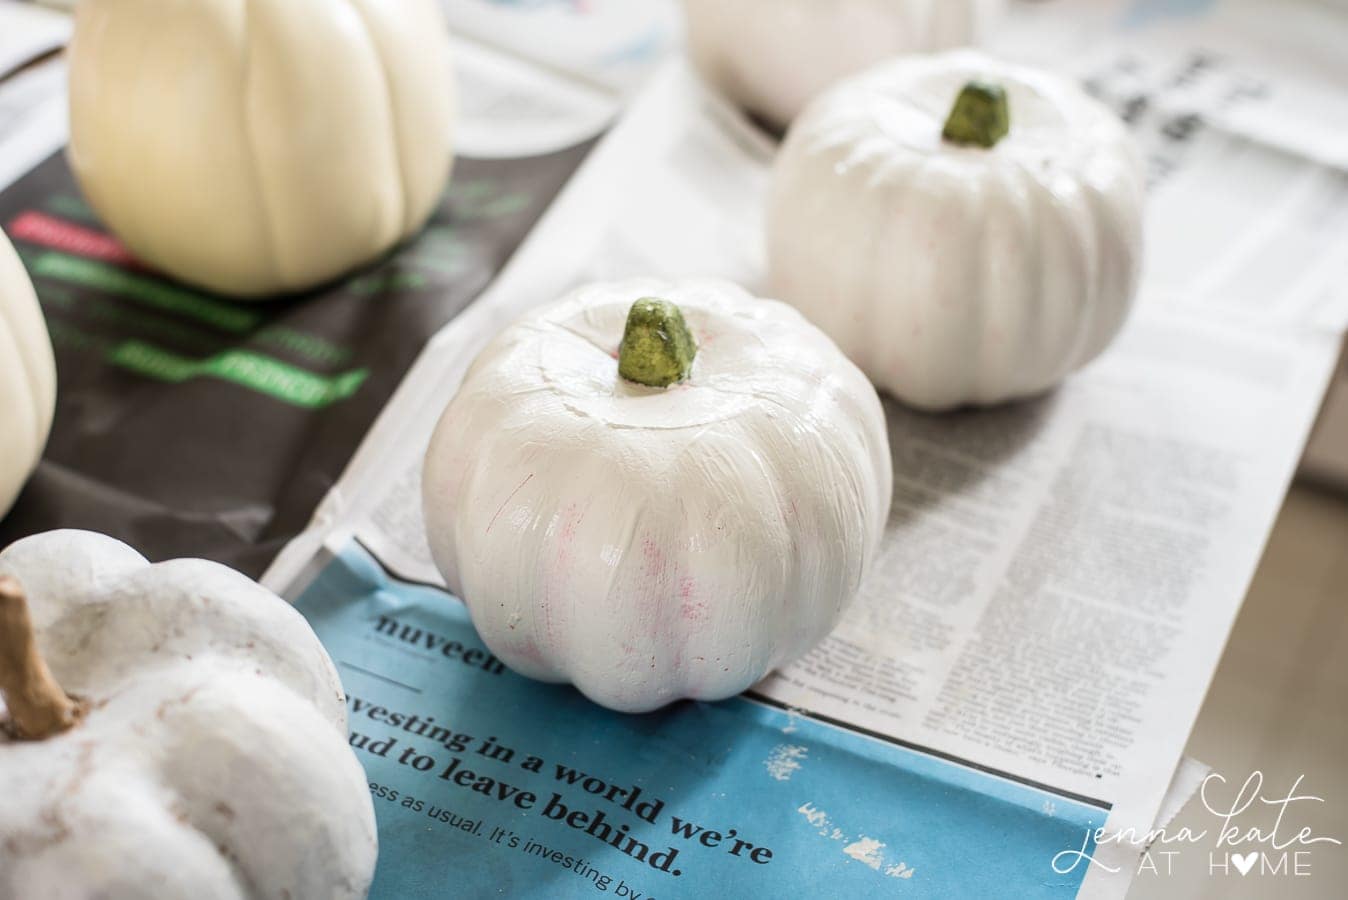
(1244, 863)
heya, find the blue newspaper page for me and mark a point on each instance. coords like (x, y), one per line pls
(488, 784)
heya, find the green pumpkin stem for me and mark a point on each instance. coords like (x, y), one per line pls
(657, 349)
(979, 117)
(37, 706)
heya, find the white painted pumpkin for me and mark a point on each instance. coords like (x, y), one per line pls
(208, 754)
(954, 273)
(261, 146)
(650, 544)
(772, 56)
(27, 377)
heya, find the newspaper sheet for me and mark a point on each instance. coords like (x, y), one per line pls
(28, 33)
(610, 45)
(32, 116)
(1240, 107)
(1058, 576)
(487, 784)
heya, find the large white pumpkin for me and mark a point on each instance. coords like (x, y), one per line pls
(773, 56)
(951, 272)
(27, 377)
(201, 750)
(261, 146)
(646, 543)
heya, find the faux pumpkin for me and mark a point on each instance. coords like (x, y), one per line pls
(200, 750)
(773, 56)
(968, 231)
(27, 377)
(256, 147)
(657, 490)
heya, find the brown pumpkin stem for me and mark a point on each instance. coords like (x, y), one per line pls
(38, 708)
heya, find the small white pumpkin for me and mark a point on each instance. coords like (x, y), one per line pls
(27, 377)
(954, 263)
(255, 147)
(773, 56)
(201, 751)
(651, 543)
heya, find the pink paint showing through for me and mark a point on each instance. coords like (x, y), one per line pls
(558, 572)
(655, 558)
(527, 651)
(691, 607)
